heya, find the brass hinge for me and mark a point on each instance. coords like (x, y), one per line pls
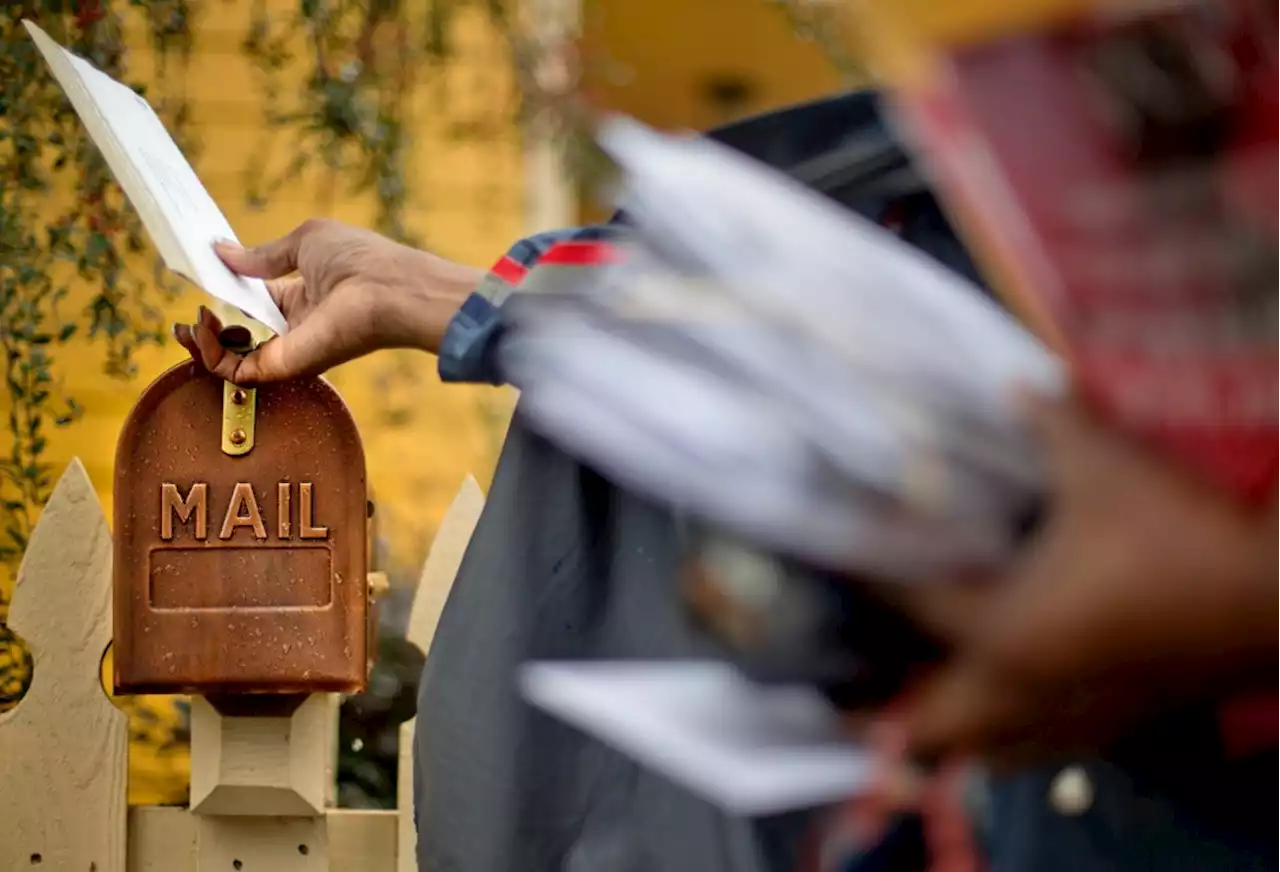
(239, 405)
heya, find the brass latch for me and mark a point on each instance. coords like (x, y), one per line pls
(238, 404)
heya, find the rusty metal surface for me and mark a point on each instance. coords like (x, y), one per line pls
(246, 573)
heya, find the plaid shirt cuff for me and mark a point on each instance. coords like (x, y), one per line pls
(466, 351)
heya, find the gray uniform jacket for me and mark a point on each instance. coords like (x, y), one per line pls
(565, 565)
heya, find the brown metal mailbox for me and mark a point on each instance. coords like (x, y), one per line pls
(240, 540)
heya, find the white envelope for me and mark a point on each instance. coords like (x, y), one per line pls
(180, 216)
(751, 750)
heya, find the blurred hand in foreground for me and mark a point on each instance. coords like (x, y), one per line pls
(345, 292)
(1143, 591)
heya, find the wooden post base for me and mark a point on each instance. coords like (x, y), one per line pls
(272, 766)
(263, 844)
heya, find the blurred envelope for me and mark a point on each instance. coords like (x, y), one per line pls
(750, 749)
(769, 362)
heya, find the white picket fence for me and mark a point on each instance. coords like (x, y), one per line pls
(261, 788)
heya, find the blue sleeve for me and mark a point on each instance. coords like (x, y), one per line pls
(466, 350)
(809, 136)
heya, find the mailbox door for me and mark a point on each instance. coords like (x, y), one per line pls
(239, 573)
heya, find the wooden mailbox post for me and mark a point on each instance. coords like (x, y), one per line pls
(240, 577)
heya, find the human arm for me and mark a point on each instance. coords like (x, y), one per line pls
(466, 352)
(837, 145)
(347, 292)
(1144, 591)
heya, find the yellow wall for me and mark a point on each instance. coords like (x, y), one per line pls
(654, 60)
(649, 58)
(421, 437)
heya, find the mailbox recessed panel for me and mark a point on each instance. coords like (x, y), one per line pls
(240, 573)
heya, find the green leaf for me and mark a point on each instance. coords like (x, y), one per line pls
(97, 247)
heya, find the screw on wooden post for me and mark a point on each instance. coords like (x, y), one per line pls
(63, 750)
(443, 562)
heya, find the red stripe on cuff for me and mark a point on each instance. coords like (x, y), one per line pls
(579, 254)
(509, 270)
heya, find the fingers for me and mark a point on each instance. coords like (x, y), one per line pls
(1061, 426)
(955, 711)
(271, 260)
(968, 710)
(184, 336)
(898, 781)
(301, 352)
(1082, 451)
(204, 345)
(287, 293)
(201, 342)
(948, 611)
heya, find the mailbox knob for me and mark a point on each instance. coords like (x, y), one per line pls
(236, 338)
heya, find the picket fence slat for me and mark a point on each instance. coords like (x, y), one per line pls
(441, 568)
(64, 748)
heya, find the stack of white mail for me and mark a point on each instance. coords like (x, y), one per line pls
(772, 363)
(790, 373)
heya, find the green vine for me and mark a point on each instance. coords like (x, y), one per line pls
(351, 118)
(824, 24)
(351, 114)
(364, 59)
(348, 116)
(98, 242)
